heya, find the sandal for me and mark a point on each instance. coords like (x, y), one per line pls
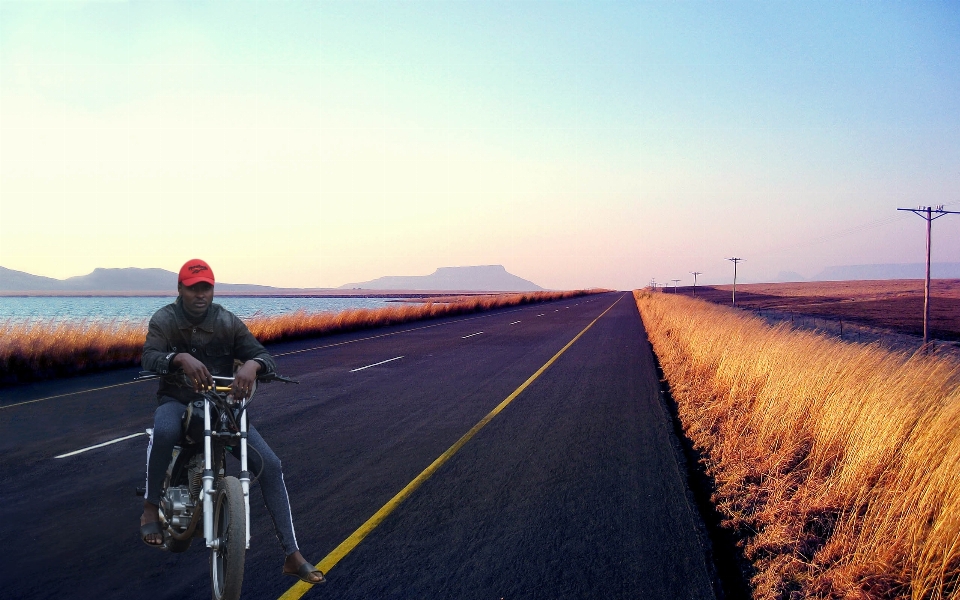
(151, 528)
(303, 573)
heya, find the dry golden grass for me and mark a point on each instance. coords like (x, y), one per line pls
(31, 351)
(41, 350)
(302, 324)
(835, 464)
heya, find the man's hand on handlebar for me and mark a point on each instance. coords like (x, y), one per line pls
(244, 379)
(194, 370)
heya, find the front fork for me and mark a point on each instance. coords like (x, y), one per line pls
(208, 477)
(245, 473)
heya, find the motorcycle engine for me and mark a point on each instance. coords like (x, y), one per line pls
(179, 502)
(177, 507)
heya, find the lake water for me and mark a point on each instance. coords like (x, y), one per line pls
(140, 309)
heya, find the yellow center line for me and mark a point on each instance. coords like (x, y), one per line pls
(347, 545)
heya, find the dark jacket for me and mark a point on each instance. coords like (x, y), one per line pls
(216, 342)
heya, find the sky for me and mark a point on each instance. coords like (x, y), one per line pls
(579, 144)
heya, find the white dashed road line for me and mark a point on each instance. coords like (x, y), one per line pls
(375, 364)
(471, 335)
(515, 322)
(101, 445)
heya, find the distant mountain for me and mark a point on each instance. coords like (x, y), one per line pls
(788, 276)
(486, 278)
(123, 280)
(112, 280)
(489, 278)
(15, 281)
(893, 271)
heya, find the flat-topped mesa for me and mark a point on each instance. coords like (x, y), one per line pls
(481, 278)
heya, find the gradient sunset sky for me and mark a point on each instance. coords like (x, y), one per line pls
(579, 144)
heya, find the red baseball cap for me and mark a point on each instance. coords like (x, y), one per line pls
(194, 271)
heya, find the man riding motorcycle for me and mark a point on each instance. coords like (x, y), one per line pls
(204, 339)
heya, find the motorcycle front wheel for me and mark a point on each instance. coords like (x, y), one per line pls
(230, 529)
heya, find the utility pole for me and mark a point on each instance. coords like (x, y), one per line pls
(674, 285)
(695, 273)
(734, 260)
(929, 214)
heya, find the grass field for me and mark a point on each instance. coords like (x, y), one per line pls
(834, 464)
(35, 351)
(896, 305)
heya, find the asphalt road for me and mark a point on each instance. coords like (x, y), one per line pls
(573, 490)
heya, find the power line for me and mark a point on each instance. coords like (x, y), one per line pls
(695, 273)
(841, 233)
(734, 260)
(877, 223)
(928, 212)
(838, 234)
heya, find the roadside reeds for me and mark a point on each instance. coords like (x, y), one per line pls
(835, 464)
(32, 351)
(302, 324)
(44, 350)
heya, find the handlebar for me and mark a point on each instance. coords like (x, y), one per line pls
(219, 394)
(265, 378)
